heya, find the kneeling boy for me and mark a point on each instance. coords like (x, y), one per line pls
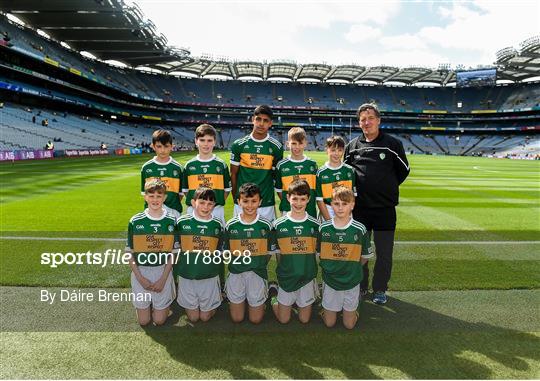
(296, 236)
(344, 248)
(249, 241)
(151, 241)
(198, 269)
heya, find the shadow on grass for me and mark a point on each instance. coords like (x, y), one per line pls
(396, 341)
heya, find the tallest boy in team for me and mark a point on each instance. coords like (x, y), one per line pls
(253, 160)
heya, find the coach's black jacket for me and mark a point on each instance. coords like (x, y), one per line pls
(380, 166)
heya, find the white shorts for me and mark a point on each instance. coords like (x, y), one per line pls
(159, 300)
(202, 294)
(246, 285)
(218, 212)
(172, 211)
(267, 212)
(333, 300)
(303, 297)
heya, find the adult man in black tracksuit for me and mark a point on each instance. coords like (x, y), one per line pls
(381, 166)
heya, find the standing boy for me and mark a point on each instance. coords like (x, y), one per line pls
(344, 248)
(164, 167)
(207, 170)
(198, 270)
(250, 243)
(151, 241)
(332, 174)
(253, 160)
(296, 167)
(296, 235)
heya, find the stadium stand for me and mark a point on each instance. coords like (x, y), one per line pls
(120, 107)
(477, 145)
(29, 42)
(334, 96)
(16, 126)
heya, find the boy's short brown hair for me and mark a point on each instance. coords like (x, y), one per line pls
(155, 186)
(342, 193)
(299, 188)
(204, 193)
(205, 129)
(162, 136)
(249, 190)
(335, 141)
(298, 134)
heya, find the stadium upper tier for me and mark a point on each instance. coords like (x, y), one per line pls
(172, 89)
(66, 100)
(114, 30)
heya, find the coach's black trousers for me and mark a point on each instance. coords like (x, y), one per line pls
(381, 222)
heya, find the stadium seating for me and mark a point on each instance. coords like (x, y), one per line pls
(523, 97)
(28, 41)
(293, 94)
(20, 132)
(76, 132)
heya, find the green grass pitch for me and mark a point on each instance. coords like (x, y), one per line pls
(463, 302)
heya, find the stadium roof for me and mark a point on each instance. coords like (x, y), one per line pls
(112, 30)
(108, 29)
(519, 65)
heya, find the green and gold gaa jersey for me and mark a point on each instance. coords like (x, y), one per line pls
(329, 178)
(151, 235)
(257, 160)
(212, 173)
(255, 238)
(340, 252)
(297, 245)
(170, 173)
(199, 239)
(289, 170)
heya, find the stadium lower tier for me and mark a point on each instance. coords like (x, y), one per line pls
(25, 127)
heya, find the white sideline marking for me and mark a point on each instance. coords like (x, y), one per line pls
(485, 170)
(32, 238)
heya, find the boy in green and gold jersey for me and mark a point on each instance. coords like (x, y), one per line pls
(249, 240)
(253, 160)
(296, 236)
(151, 241)
(344, 246)
(198, 269)
(164, 167)
(332, 174)
(207, 170)
(296, 167)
